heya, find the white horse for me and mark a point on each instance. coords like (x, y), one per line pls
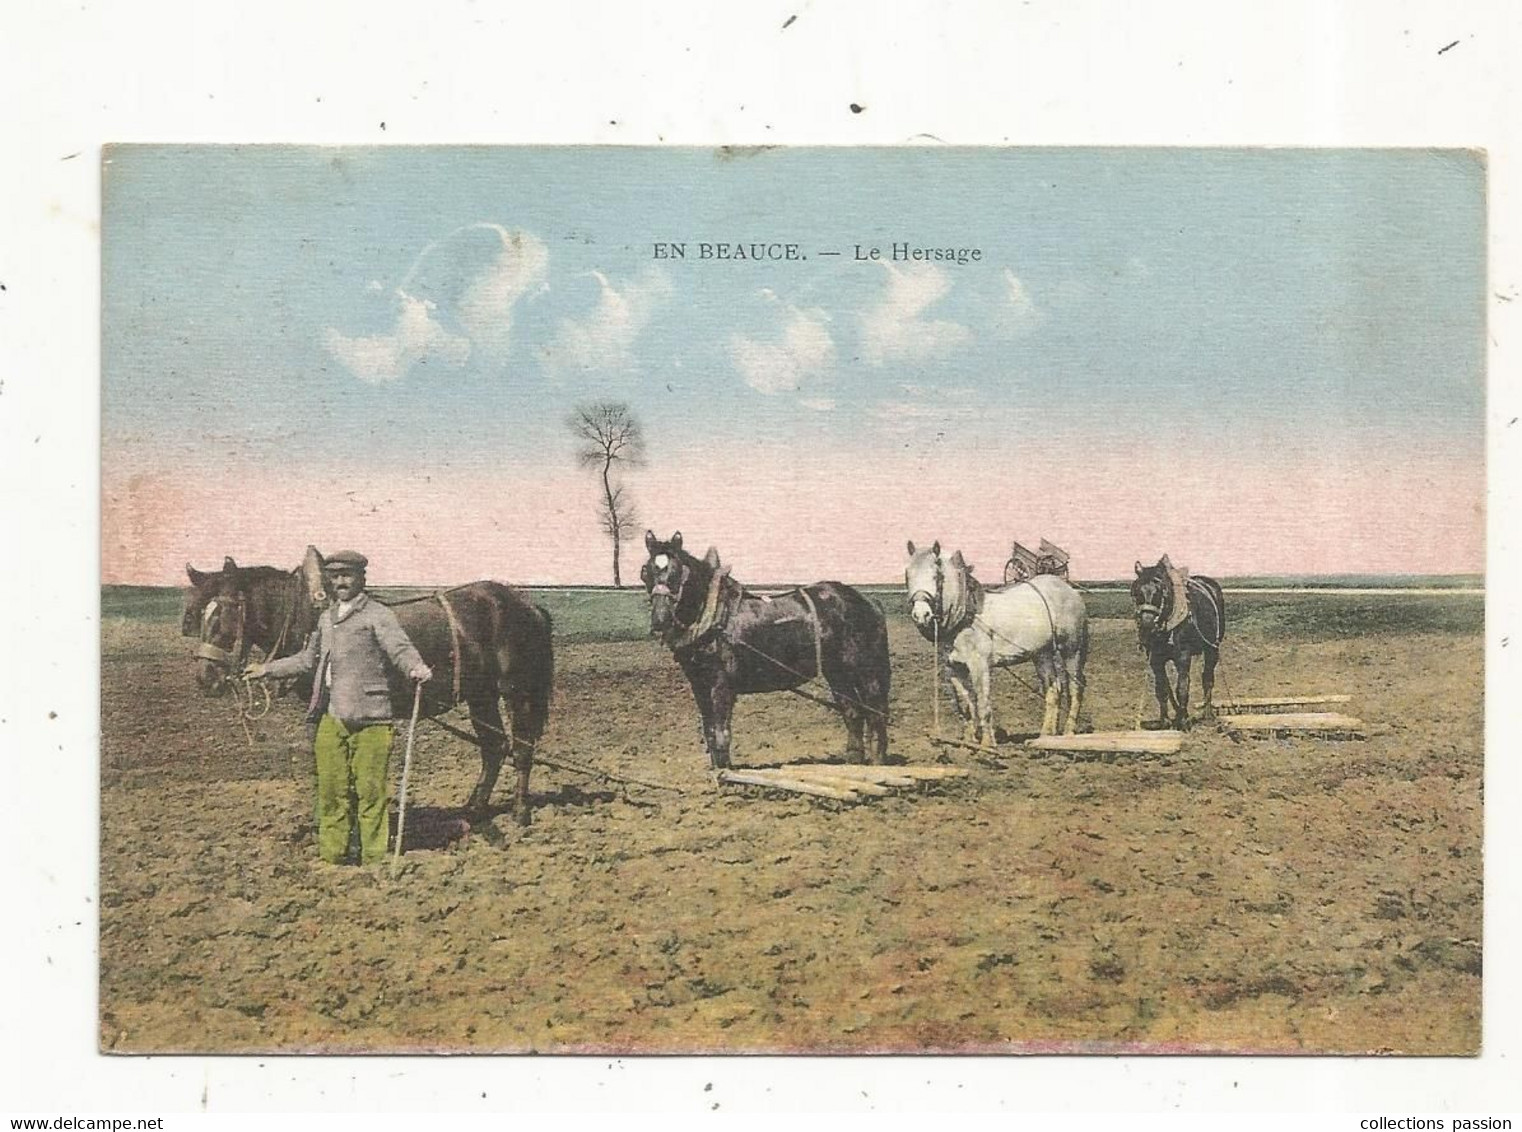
(1041, 619)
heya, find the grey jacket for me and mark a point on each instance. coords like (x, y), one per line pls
(349, 658)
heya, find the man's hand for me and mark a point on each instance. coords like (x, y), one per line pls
(254, 672)
(421, 673)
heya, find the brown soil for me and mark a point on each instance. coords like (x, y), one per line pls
(1272, 895)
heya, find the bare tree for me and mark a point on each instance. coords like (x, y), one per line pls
(610, 441)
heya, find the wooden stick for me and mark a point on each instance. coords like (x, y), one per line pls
(822, 774)
(797, 786)
(853, 785)
(839, 770)
(1141, 742)
(1243, 704)
(882, 775)
(933, 772)
(401, 802)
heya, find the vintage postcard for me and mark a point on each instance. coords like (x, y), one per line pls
(943, 600)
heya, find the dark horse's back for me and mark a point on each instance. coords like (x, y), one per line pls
(776, 650)
(504, 646)
(1207, 603)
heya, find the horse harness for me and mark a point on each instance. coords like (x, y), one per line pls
(456, 634)
(710, 618)
(707, 620)
(972, 614)
(1164, 611)
(454, 640)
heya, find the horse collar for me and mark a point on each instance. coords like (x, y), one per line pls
(955, 620)
(692, 634)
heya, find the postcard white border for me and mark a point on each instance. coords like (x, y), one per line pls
(1299, 72)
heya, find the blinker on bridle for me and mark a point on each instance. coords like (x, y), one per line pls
(661, 589)
(937, 600)
(1159, 611)
(225, 658)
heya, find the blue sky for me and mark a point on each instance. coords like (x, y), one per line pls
(391, 311)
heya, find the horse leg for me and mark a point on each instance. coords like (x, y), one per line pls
(1050, 678)
(722, 710)
(486, 721)
(870, 695)
(523, 731)
(1181, 691)
(956, 676)
(856, 726)
(983, 700)
(1074, 666)
(526, 675)
(1207, 680)
(703, 695)
(846, 693)
(1159, 662)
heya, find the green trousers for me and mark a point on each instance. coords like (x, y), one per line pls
(352, 760)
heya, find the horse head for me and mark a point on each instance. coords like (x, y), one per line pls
(676, 582)
(1152, 596)
(938, 588)
(215, 611)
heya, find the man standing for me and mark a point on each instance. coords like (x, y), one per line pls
(355, 641)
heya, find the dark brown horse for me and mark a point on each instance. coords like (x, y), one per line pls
(1178, 617)
(730, 642)
(484, 641)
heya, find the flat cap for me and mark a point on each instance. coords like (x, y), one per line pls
(350, 559)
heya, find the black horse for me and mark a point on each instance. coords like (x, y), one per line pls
(730, 642)
(1174, 628)
(484, 641)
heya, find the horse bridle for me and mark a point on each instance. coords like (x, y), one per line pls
(1161, 611)
(661, 589)
(937, 600)
(232, 659)
(224, 658)
(972, 602)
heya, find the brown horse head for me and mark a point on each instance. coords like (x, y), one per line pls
(214, 612)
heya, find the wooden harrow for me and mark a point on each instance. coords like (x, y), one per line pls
(1257, 716)
(1111, 742)
(1304, 724)
(841, 782)
(1288, 716)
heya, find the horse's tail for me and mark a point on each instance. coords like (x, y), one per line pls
(539, 675)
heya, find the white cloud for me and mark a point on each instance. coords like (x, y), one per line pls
(479, 321)
(894, 329)
(805, 352)
(486, 307)
(606, 337)
(818, 404)
(417, 339)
